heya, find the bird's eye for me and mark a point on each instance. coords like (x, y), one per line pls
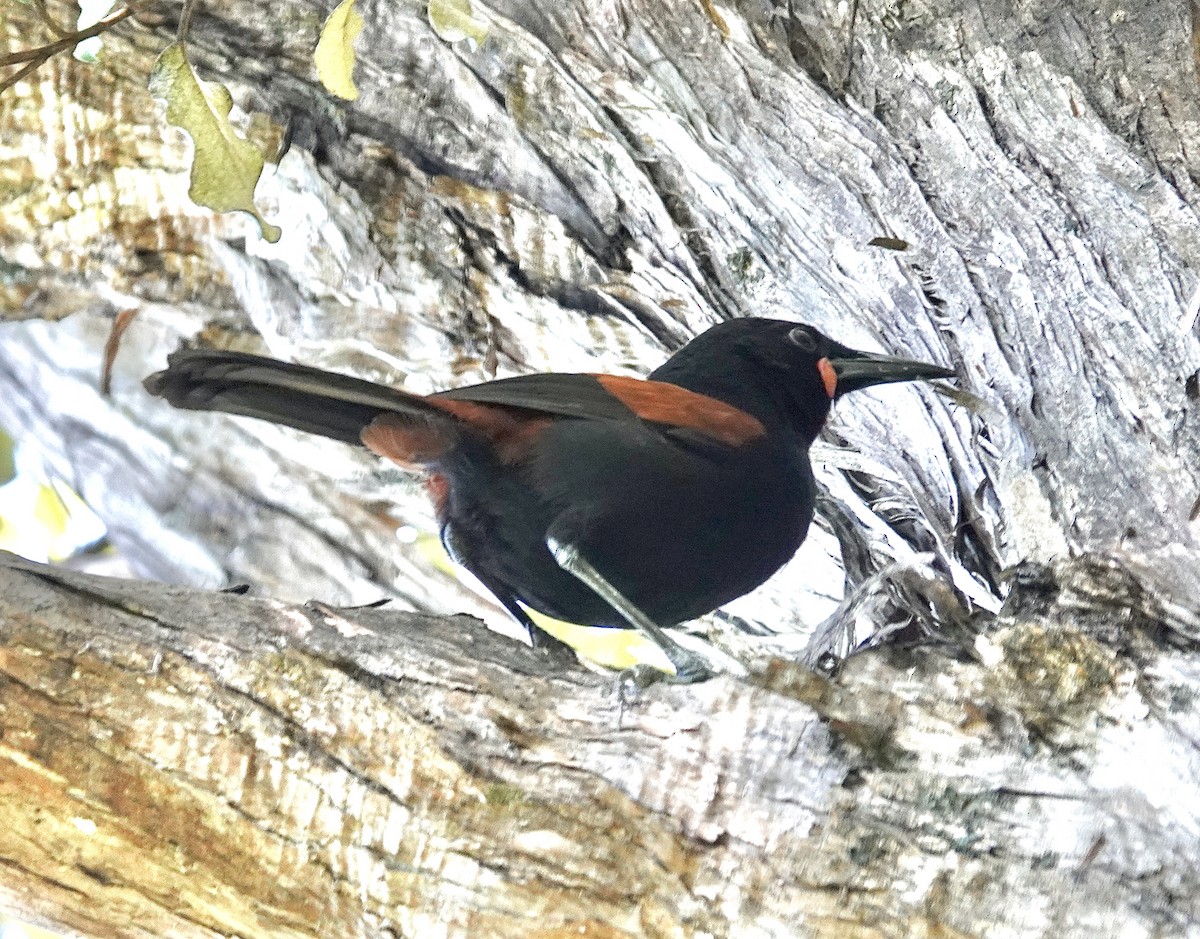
(803, 339)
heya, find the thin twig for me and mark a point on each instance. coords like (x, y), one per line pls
(39, 55)
(51, 23)
(121, 323)
(185, 20)
(21, 73)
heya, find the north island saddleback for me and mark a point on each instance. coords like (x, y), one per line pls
(595, 499)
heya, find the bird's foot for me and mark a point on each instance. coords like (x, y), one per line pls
(690, 668)
(373, 605)
(632, 681)
(329, 609)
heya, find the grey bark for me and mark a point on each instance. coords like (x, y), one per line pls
(595, 183)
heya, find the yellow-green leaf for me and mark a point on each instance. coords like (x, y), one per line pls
(79, 525)
(44, 520)
(50, 512)
(454, 20)
(334, 55)
(8, 465)
(225, 167)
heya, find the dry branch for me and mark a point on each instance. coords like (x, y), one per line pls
(182, 763)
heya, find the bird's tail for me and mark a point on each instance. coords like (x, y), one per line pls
(308, 399)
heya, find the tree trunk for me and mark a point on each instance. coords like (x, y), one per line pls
(588, 187)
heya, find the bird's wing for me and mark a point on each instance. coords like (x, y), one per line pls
(559, 393)
(614, 397)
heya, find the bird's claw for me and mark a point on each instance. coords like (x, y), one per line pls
(632, 681)
(635, 679)
(690, 668)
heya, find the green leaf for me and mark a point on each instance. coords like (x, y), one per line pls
(454, 20)
(334, 55)
(225, 167)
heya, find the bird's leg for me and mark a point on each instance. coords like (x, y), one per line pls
(689, 667)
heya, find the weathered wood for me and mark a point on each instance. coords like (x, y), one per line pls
(199, 764)
(593, 184)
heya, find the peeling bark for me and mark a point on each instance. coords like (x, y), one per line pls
(592, 185)
(175, 762)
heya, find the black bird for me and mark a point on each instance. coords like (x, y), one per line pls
(592, 498)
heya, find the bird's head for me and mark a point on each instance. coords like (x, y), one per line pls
(842, 369)
(755, 363)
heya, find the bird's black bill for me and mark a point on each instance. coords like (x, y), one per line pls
(857, 370)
